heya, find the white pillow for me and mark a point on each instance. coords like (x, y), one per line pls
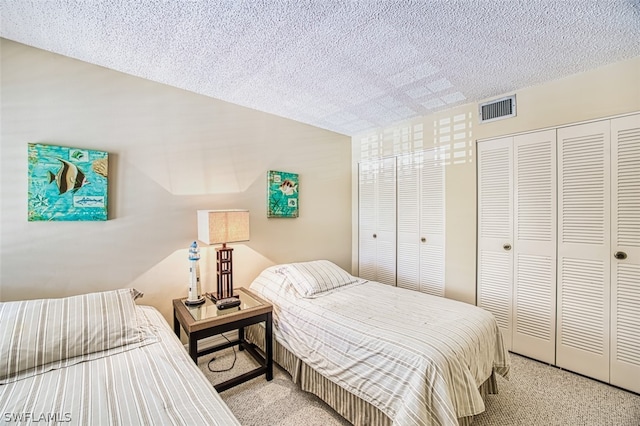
(315, 277)
(45, 334)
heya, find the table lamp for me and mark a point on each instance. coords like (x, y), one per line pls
(222, 227)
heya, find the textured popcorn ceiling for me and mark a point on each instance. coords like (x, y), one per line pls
(346, 66)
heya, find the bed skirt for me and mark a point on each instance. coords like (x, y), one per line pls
(356, 410)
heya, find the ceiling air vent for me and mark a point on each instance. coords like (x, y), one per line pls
(498, 109)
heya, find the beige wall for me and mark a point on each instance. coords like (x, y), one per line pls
(172, 152)
(607, 91)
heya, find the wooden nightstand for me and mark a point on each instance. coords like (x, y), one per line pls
(206, 320)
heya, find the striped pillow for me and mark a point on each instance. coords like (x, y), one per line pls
(42, 335)
(315, 277)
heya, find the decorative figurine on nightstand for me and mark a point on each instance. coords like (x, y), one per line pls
(195, 297)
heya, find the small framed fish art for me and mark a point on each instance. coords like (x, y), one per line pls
(67, 184)
(282, 190)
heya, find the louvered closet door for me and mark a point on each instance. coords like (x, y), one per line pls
(367, 218)
(534, 249)
(377, 220)
(584, 249)
(625, 273)
(421, 223)
(495, 231)
(432, 224)
(408, 273)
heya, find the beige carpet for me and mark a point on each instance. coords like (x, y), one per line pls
(261, 403)
(537, 394)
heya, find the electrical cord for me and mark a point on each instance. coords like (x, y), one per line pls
(235, 357)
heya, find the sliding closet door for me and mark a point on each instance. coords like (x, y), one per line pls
(625, 252)
(421, 222)
(495, 231)
(377, 220)
(584, 254)
(534, 248)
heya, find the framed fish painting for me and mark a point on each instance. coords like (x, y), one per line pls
(282, 193)
(67, 184)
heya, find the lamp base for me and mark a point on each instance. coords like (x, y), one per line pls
(224, 272)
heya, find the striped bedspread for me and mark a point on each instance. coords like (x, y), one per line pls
(156, 384)
(418, 358)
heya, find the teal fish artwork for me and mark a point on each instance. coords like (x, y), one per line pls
(67, 184)
(282, 194)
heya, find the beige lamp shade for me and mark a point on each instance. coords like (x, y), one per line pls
(223, 226)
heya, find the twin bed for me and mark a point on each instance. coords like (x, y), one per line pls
(378, 355)
(99, 359)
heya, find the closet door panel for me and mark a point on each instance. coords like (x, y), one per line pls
(432, 215)
(421, 222)
(495, 230)
(583, 296)
(534, 282)
(408, 222)
(386, 235)
(625, 273)
(377, 220)
(367, 172)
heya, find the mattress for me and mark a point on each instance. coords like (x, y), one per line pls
(153, 384)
